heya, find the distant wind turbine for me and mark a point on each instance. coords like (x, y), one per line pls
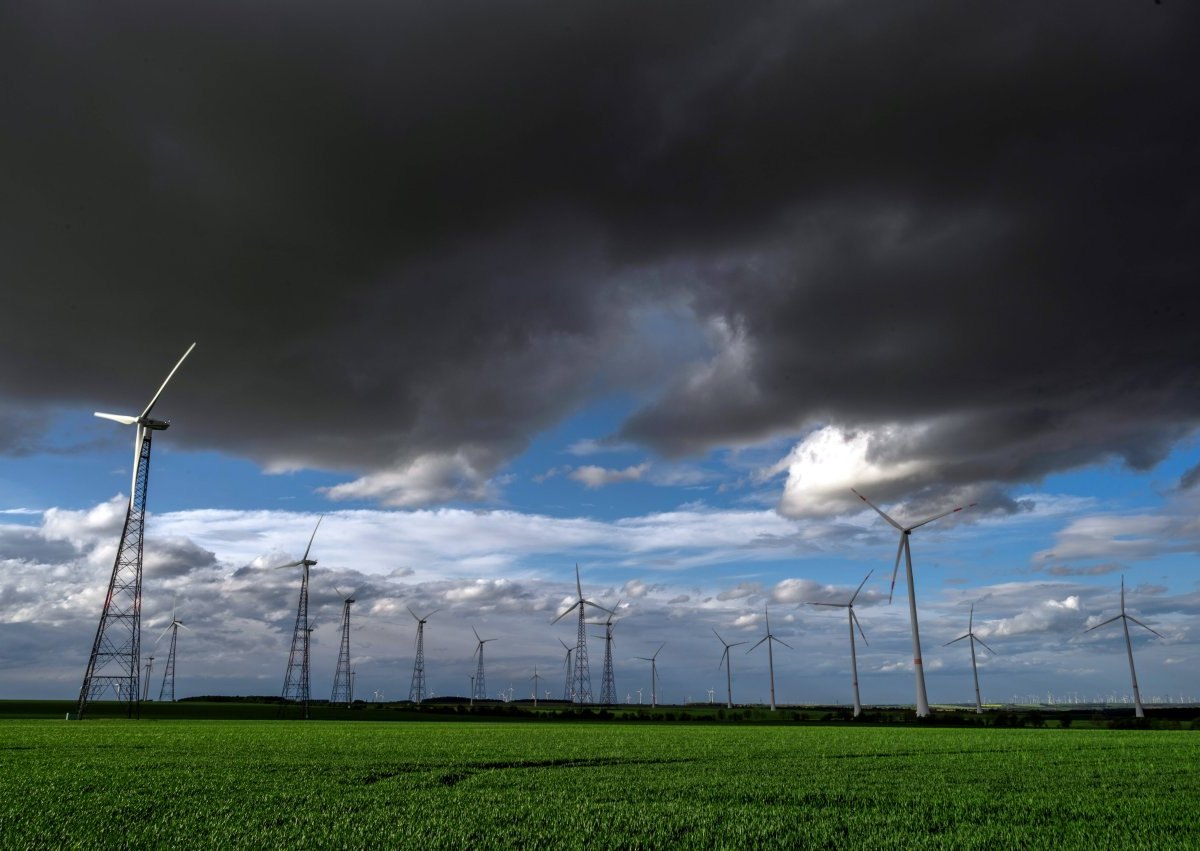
(1125, 619)
(296, 680)
(653, 675)
(167, 692)
(905, 549)
(569, 679)
(725, 659)
(972, 638)
(478, 689)
(582, 686)
(770, 655)
(853, 618)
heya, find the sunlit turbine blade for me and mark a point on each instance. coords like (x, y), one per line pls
(1143, 626)
(118, 418)
(146, 412)
(164, 632)
(896, 569)
(860, 586)
(567, 612)
(939, 516)
(314, 535)
(878, 510)
(1106, 623)
(138, 437)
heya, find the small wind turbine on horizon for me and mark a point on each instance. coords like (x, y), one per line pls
(296, 680)
(478, 690)
(770, 655)
(905, 549)
(582, 685)
(726, 660)
(115, 659)
(167, 691)
(653, 675)
(972, 638)
(1124, 618)
(853, 618)
(535, 678)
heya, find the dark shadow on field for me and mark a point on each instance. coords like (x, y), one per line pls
(453, 778)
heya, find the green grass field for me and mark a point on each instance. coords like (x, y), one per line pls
(286, 784)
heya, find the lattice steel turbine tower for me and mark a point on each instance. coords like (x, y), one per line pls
(115, 660)
(416, 691)
(167, 691)
(479, 690)
(296, 680)
(343, 683)
(608, 687)
(581, 685)
(568, 680)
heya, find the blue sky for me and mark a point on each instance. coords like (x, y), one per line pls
(649, 299)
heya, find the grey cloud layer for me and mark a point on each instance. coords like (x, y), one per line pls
(412, 232)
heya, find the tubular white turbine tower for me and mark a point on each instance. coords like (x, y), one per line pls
(905, 549)
(853, 618)
(296, 680)
(582, 684)
(770, 655)
(725, 658)
(115, 660)
(653, 674)
(1138, 710)
(972, 638)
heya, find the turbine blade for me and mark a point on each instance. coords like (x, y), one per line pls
(1106, 623)
(878, 510)
(566, 646)
(578, 585)
(476, 635)
(760, 641)
(314, 535)
(989, 650)
(161, 634)
(835, 605)
(971, 620)
(854, 618)
(118, 418)
(411, 612)
(896, 568)
(781, 641)
(940, 516)
(567, 612)
(720, 639)
(960, 638)
(860, 586)
(154, 399)
(289, 564)
(739, 643)
(659, 650)
(1143, 626)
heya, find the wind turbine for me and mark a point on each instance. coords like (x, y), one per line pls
(568, 692)
(972, 637)
(343, 690)
(115, 659)
(1139, 712)
(296, 680)
(582, 691)
(478, 689)
(167, 691)
(416, 691)
(770, 655)
(653, 675)
(608, 691)
(853, 618)
(535, 679)
(146, 683)
(905, 549)
(726, 659)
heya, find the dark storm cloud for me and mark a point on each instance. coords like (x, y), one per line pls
(409, 237)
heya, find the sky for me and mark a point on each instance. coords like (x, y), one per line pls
(503, 288)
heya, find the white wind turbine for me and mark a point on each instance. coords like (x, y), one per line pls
(115, 659)
(725, 658)
(1125, 619)
(581, 691)
(972, 638)
(167, 691)
(905, 549)
(853, 618)
(296, 680)
(770, 654)
(653, 675)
